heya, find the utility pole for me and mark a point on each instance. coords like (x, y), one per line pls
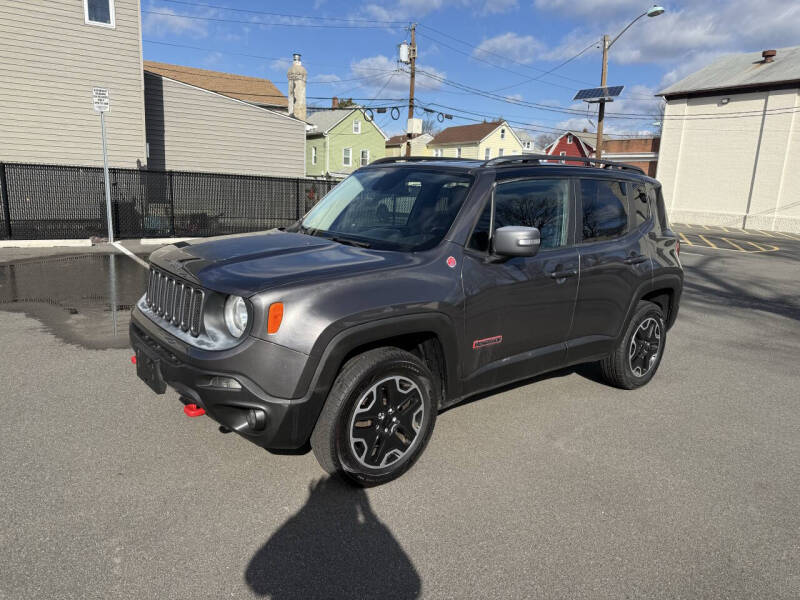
(412, 57)
(601, 112)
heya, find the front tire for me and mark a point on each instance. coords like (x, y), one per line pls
(378, 417)
(635, 360)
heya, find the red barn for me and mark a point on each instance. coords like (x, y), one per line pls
(572, 144)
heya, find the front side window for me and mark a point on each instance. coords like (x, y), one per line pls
(347, 157)
(502, 134)
(437, 152)
(487, 154)
(356, 126)
(313, 155)
(99, 12)
(604, 213)
(364, 158)
(569, 138)
(458, 152)
(500, 152)
(389, 208)
(540, 203)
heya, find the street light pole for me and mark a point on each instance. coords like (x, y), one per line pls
(601, 111)
(654, 11)
(412, 57)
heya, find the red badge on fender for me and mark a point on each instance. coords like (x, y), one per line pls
(451, 262)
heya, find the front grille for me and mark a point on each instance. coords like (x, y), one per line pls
(177, 303)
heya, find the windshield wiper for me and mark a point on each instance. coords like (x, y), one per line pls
(351, 242)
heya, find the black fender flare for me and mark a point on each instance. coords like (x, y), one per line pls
(668, 281)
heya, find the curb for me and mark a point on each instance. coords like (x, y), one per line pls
(45, 243)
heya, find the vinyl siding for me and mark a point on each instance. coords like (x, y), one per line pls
(51, 59)
(318, 169)
(342, 136)
(476, 150)
(191, 129)
(738, 172)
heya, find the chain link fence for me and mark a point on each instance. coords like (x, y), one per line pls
(63, 202)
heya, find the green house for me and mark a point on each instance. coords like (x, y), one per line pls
(341, 140)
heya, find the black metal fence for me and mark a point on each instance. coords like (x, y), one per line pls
(61, 202)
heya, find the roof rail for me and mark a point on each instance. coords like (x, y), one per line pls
(394, 159)
(538, 159)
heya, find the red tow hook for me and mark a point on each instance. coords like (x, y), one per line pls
(192, 410)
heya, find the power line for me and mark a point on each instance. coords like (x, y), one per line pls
(558, 66)
(275, 14)
(269, 24)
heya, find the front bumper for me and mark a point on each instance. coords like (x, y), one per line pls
(190, 371)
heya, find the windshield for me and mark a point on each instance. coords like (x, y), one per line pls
(391, 209)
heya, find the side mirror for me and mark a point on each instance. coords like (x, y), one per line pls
(515, 240)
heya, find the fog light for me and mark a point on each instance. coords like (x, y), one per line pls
(226, 383)
(256, 419)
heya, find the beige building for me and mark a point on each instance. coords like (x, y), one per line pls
(396, 145)
(479, 141)
(730, 144)
(53, 52)
(199, 120)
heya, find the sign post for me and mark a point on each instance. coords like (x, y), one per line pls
(100, 101)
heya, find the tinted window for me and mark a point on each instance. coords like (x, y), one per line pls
(640, 204)
(540, 203)
(657, 202)
(604, 215)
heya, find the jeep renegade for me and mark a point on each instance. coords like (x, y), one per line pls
(412, 285)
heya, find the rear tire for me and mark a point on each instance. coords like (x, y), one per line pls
(635, 360)
(378, 417)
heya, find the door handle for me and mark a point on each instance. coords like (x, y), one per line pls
(563, 274)
(635, 260)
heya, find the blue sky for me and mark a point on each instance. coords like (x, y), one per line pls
(505, 47)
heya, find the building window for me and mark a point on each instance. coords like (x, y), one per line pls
(347, 157)
(356, 126)
(502, 134)
(500, 152)
(487, 154)
(562, 153)
(458, 152)
(99, 12)
(569, 138)
(364, 158)
(437, 152)
(313, 155)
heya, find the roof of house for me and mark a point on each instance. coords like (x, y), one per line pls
(248, 89)
(585, 138)
(399, 140)
(325, 120)
(740, 70)
(523, 135)
(465, 134)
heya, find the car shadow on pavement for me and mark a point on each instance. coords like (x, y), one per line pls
(333, 547)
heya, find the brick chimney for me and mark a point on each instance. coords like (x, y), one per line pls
(297, 88)
(334, 102)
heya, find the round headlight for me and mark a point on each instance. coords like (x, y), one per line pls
(236, 315)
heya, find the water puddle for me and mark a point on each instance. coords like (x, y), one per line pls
(83, 299)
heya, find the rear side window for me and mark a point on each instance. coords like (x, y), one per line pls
(540, 203)
(604, 213)
(657, 202)
(640, 204)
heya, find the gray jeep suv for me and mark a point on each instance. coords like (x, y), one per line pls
(412, 285)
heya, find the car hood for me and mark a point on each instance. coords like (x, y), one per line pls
(246, 264)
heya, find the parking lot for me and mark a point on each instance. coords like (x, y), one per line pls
(558, 488)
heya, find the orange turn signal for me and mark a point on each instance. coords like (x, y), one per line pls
(274, 317)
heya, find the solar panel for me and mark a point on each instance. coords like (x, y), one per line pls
(599, 93)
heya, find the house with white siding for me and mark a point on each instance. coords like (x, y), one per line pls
(162, 116)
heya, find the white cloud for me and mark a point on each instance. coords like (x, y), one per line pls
(378, 74)
(516, 48)
(327, 78)
(590, 8)
(636, 99)
(514, 97)
(280, 64)
(491, 7)
(213, 59)
(164, 21)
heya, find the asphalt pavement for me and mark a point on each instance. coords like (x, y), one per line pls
(558, 488)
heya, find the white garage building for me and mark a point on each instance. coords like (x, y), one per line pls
(730, 145)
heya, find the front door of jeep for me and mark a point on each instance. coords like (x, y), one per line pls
(518, 311)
